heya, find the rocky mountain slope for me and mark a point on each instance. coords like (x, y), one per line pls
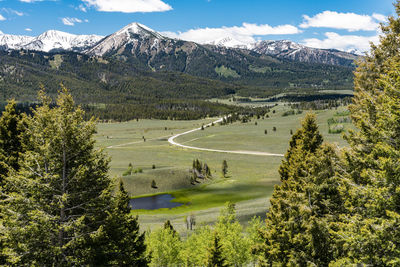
(142, 62)
(146, 44)
(297, 52)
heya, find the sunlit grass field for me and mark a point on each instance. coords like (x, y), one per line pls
(250, 178)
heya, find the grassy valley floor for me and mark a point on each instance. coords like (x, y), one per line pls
(250, 178)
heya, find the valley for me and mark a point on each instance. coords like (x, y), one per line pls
(250, 178)
(159, 102)
(168, 133)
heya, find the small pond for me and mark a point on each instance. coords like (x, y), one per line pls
(154, 202)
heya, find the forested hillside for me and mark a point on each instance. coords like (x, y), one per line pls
(97, 81)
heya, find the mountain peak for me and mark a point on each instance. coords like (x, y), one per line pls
(55, 32)
(132, 34)
(231, 42)
(139, 29)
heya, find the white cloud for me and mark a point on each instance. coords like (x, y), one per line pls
(71, 21)
(342, 42)
(12, 11)
(379, 17)
(28, 29)
(245, 33)
(2, 18)
(128, 6)
(82, 8)
(346, 21)
(18, 13)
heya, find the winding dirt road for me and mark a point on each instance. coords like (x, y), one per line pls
(171, 140)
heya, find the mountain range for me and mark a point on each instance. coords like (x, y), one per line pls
(139, 66)
(141, 39)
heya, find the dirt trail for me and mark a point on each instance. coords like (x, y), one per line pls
(171, 140)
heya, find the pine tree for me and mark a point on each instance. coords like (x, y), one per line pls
(372, 213)
(61, 200)
(306, 204)
(206, 170)
(309, 138)
(11, 130)
(123, 243)
(215, 258)
(224, 168)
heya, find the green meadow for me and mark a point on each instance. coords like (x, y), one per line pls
(250, 178)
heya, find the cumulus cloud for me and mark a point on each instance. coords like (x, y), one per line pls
(71, 21)
(2, 18)
(343, 42)
(245, 33)
(28, 29)
(346, 21)
(128, 6)
(379, 17)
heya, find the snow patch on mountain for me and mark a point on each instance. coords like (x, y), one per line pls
(9, 41)
(130, 34)
(48, 41)
(140, 39)
(231, 43)
(53, 40)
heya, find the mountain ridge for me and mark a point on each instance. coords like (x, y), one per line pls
(51, 40)
(150, 42)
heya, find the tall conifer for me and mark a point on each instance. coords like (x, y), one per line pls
(304, 205)
(60, 201)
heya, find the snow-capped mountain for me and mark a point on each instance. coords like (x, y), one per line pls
(138, 40)
(49, 41)
(290, 50)
(9, 41)
(231, 43)
(297, 52)
(133, 34)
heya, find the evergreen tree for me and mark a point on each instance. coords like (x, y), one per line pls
(206, 170)
(59, 205)
(306, 205)
(215, 258)
(310, 138)
(123, 243)
(224, 168)
(198, 166)
(372, 161)
(11, 130)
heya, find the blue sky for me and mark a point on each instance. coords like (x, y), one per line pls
(342, 24)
